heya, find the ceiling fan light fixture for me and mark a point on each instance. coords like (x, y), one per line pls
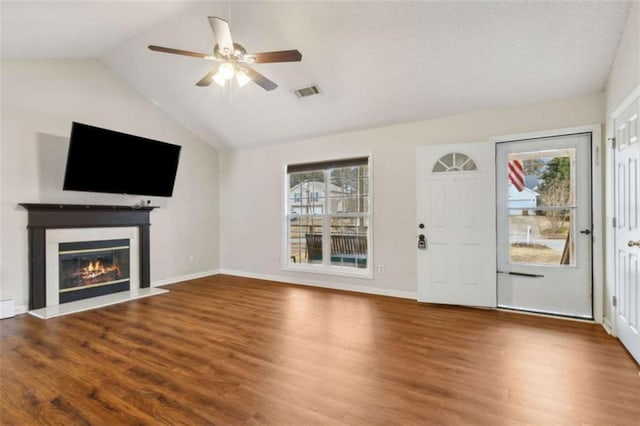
(226, 71)
(242, 77)
(219, 79)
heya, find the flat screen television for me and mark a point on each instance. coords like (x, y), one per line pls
(102, 160)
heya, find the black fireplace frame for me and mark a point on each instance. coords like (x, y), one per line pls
(55, 216)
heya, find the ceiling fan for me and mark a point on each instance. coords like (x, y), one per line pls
(235, 59)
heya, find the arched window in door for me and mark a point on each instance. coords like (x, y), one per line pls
(454, 162)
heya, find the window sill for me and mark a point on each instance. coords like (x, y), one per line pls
(331, 270)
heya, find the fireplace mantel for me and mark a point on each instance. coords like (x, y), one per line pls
(51, 216)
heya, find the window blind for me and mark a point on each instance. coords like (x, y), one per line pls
(330, 164)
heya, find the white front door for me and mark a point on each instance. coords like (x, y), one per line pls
(456, 224)
(627, 229)
(544, 225)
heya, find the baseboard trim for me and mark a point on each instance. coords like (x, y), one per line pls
(322, 284)
(174, 280)
(17, 310)
(606, 324)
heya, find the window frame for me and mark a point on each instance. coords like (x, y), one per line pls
(326, 268)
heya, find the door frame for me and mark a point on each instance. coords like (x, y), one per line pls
(596, 201)
(609, 323)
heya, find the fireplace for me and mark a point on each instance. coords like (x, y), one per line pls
(83, 263)
(78, 252)
(92, 268)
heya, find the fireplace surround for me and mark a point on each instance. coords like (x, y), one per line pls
(44, 217)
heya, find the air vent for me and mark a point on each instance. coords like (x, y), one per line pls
(307, 91)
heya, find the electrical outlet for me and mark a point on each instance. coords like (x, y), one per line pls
(192, 259)
(381, 269)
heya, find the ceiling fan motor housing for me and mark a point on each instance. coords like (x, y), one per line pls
(239, 54)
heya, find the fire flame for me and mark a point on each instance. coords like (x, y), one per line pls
(95, 269)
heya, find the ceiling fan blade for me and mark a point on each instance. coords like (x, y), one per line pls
(223, 35)
(259, 79)
(181, 52)
(206, 80)
(277, 56)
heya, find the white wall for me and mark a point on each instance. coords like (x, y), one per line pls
(625, 71)
(251, 183)
(40, 99)
(623, 80)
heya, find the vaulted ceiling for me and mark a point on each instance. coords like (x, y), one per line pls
(376, 63)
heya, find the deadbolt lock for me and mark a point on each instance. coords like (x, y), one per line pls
(422, 242)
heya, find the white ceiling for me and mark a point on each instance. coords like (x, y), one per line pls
(376, 63)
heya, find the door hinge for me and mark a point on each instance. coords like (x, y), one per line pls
(613, 142)
(614, 222)
(615, 301)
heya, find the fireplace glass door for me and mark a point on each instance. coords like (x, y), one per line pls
(93, 268)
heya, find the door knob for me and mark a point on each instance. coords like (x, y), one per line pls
(633, 243)
(585, 232)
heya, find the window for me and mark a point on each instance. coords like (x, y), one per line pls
(454, 162)
(328, 216)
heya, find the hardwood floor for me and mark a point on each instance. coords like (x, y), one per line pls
(229, 350)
